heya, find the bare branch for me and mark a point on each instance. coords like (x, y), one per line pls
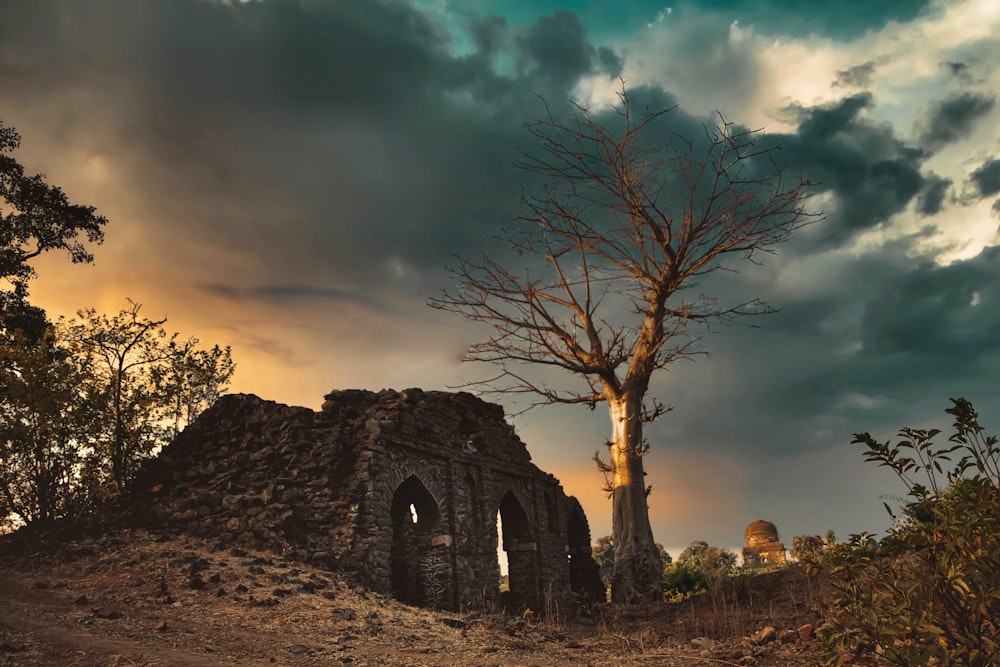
(628, 219)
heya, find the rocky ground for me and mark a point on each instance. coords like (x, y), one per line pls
(134, 598)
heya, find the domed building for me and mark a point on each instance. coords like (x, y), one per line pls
(763, 548)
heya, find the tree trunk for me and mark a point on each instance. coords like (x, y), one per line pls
(638, 573)
(118, 443)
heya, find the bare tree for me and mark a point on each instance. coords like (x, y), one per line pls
(630, 217)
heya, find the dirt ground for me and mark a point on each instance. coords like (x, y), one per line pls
(134, 598)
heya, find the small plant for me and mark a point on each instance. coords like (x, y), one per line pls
(929, 592)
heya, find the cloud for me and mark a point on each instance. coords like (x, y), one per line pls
(918, 331)
(873, 174)
(957, 70)
(708, 63)
(558, 44)
(289, 294)
(948, 313)
(932, 197)
(987, 178)
(319, 139)
(823, 123)
(951, 119)
(856, 76)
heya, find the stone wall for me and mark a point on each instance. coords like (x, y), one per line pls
(399, 490)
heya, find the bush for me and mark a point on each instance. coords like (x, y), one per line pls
(698, 568)
(929, 592)
(806, 547)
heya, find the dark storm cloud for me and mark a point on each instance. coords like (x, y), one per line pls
(878, 342)
(924, 328)
(610, 62)
(957, 70)
(187, 54)
(294, 293)
(558, 45)
(859, 76)
(823, 123)
(931, 198)
(987, 178)
(949, 120)
(951, 313)
(872, 172)
(340, 135)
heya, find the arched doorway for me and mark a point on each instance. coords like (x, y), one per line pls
(419, 570)
(518, 541)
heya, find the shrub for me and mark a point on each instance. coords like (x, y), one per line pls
(805, 547)
(929, 592)
(698, 568)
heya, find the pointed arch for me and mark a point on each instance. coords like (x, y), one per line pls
(418, 574)
(519, 541)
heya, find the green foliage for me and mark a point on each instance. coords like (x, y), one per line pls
(929, 592)
(87, 401)
(151, 382)
(604, 553)
(46, 425)
(700, 567)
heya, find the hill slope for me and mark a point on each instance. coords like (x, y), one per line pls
(136, 598)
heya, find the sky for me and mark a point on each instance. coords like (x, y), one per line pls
(291, 177)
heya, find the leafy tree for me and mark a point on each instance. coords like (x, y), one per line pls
(806, 547)
(604, 554)
(36, 217)
(151, 382)
(17, 315)
(631, 218)
(190, 380)
(698, 568)
(47, 424)
(929, 592)
(83, 405)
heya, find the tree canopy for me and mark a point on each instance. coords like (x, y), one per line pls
(36, 217)
(84, 405)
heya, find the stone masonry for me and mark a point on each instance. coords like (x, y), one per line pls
(398, 490)
(763, 548)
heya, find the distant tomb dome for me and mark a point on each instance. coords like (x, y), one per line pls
(761, 533)
(763, 549)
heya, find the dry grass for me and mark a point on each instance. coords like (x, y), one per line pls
(258, 609)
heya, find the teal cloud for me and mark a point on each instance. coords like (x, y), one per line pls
(844, 19)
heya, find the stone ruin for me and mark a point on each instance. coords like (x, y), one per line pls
(763, 549)
(400, 491)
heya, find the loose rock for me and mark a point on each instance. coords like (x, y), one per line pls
(764, 636)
